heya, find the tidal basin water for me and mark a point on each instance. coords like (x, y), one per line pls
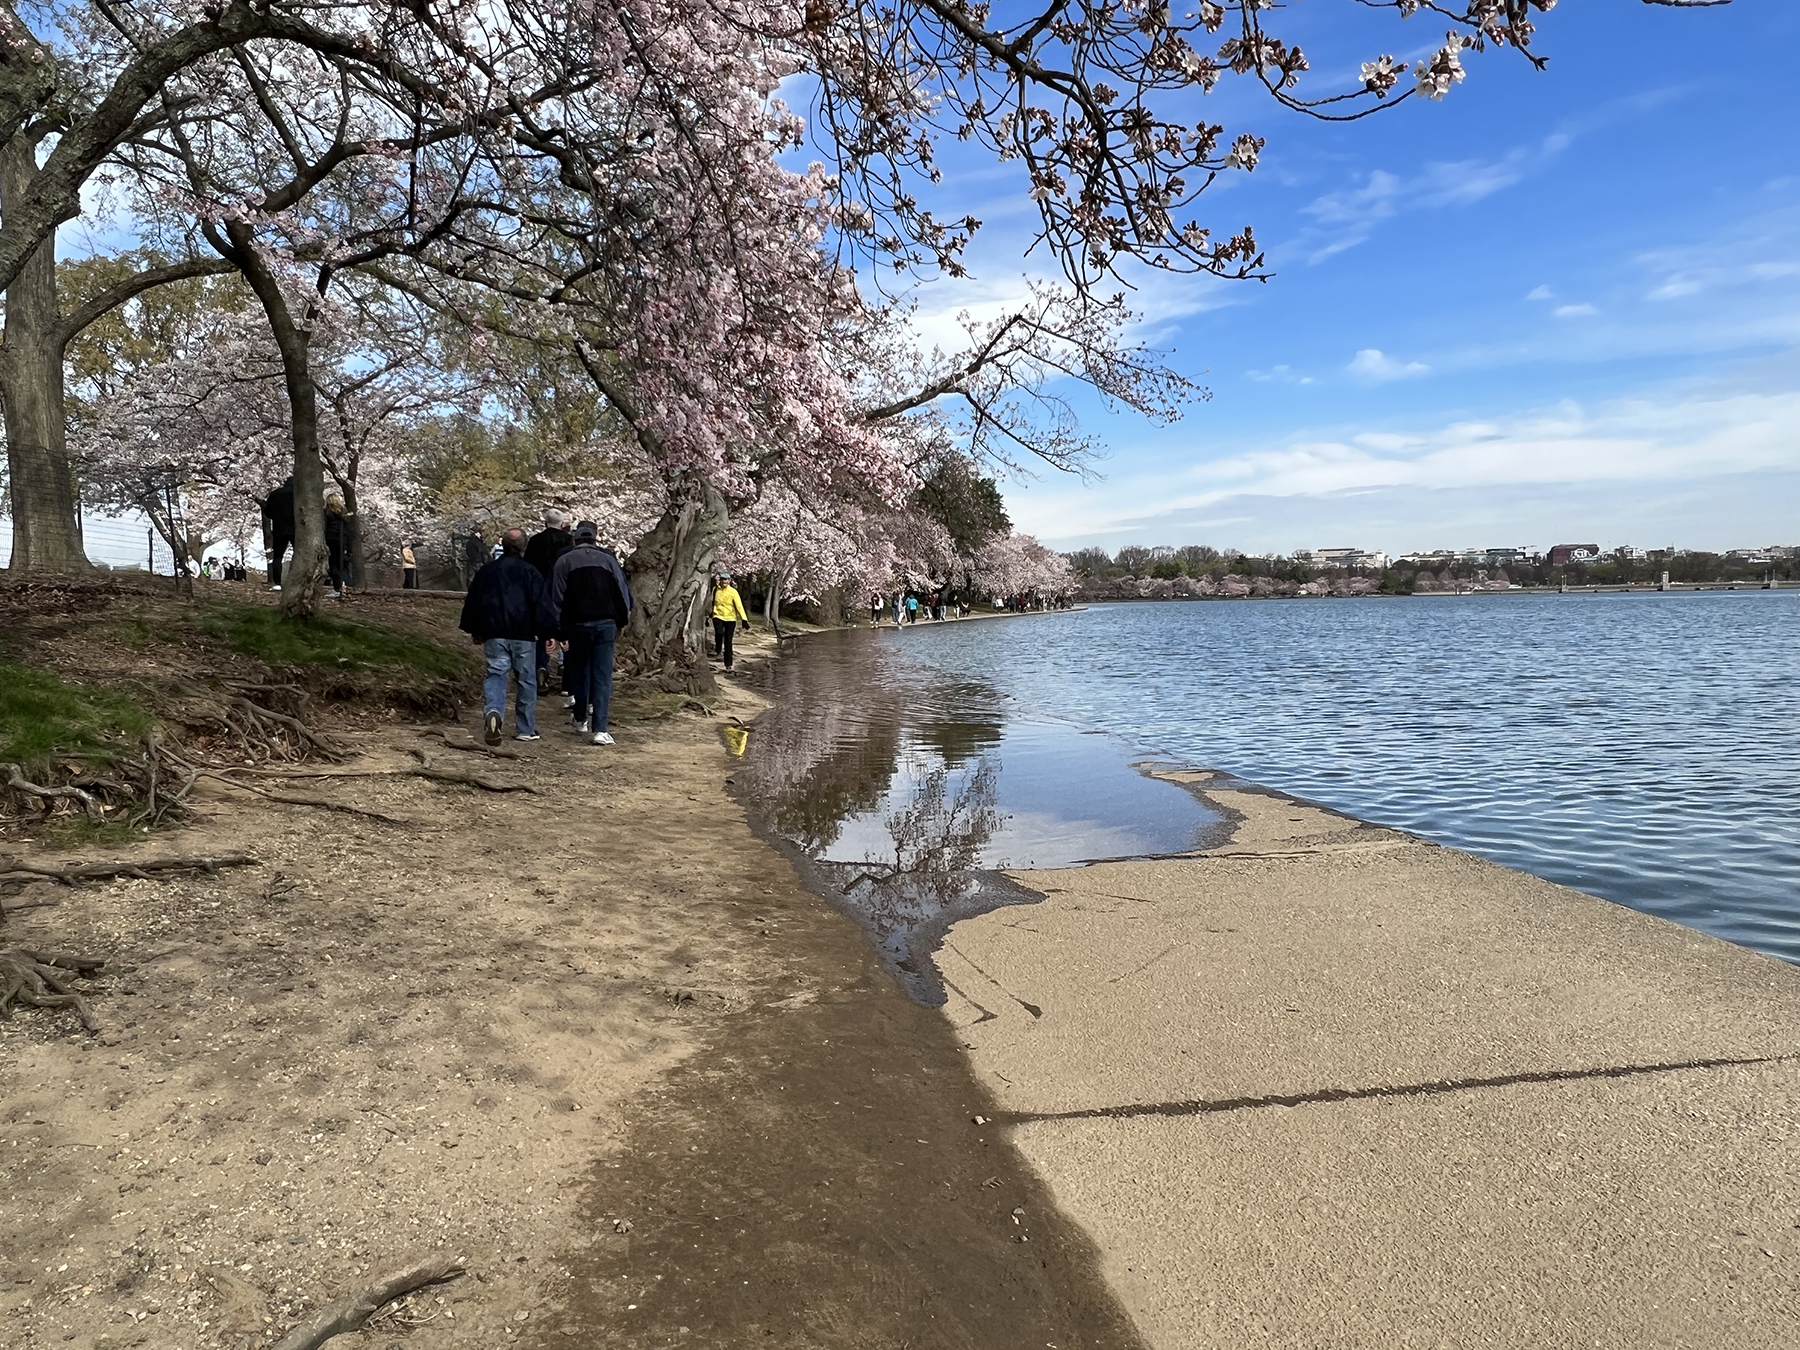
(1644, 748)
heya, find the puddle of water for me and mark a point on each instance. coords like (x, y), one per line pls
(901, 795)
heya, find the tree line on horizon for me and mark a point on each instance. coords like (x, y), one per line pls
(1095, 568)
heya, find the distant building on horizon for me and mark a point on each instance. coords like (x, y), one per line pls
(1348, 557)
(1564, 554)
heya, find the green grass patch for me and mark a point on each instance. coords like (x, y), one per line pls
(133, 633)
(42, 716)
(260, 631)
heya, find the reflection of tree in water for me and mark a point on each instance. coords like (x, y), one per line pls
(852, 730)
(830, 747)
(939, 836)
(971, 728)
(941, 832)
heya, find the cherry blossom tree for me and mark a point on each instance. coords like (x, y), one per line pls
(196, 442)
(207, 430)
(553, 135)
(1018, 565)
(77, 82)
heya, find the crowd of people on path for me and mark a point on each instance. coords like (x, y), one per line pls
(937, 606)
(561, 593)
(558, 592)
(909, 606)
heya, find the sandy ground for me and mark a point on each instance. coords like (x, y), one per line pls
(595, 1040)
(378, 1044)
(1328, 1085)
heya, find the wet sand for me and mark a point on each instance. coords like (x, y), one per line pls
(1329, 1085)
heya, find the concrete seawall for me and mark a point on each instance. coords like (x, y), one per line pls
(1327, 1085)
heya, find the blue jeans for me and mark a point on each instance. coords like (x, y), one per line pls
(507, 656)
(591, 645)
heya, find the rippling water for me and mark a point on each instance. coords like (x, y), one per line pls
(1644, 748)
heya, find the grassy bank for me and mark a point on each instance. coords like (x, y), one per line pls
(88, 667)
(41, 716)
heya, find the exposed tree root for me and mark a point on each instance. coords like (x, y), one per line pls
(319, 802)
(472, 747)
(145, 869)
(351, 1311)
(16, 780)
(149, 786)
(39, 979)
(426, 770)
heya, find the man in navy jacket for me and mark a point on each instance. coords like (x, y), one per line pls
(590, 601)
(504, 612)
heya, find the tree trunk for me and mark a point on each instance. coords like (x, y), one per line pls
(301, 581)
(772, 603)
(666, 569)
(46, 533)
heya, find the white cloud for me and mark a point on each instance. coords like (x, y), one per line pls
(1574, 311)
(1371, 363)
(1682, 440)
(1386, 440)
(1350, 216)
(1277, 375)
(1541, 293)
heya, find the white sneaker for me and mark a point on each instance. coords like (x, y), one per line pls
(603, 738)
(579, 725)
(568, 700)
(526, 736)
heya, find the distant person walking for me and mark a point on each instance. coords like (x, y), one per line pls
(912, 609)
(475, 555)
(504, 612)
(728, 613)
(876, 605)
(899, 608)
(278, 529)
(409, 568)
(589, 602)
(541, 551)
(337, 537)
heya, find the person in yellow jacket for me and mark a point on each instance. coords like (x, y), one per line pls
(728, 613)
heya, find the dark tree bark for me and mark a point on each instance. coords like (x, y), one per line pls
(301, 581)
(46, 536)
(667, 570)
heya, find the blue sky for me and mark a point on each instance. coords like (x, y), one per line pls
(1556, 306)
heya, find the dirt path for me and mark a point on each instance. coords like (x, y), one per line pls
(597, 1040)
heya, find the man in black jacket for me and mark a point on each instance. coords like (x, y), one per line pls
(505, 612)
(590, 601)
(278, 528)
(541, 551)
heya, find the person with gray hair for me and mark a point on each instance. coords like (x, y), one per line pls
(545, 547)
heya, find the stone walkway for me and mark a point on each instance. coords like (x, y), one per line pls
(1329, 1085)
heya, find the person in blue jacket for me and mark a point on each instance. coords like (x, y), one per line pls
(505, 612)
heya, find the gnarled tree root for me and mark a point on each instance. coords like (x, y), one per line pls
(427, 771)
(320, 802)
(144, 869)
(39, 979)
(472, 747)
(351, 1311)
(16, 780)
